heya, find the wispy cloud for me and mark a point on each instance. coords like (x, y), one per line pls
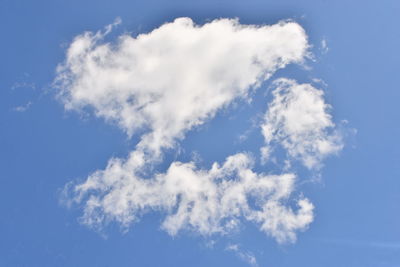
(18, 85)
(246, 256)
(324, 46)
(23, 108)
(298, 119)
(205, 201)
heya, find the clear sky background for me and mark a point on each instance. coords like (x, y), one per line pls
(43, 147)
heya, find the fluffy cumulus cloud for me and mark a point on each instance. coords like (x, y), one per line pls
(298, 119)
(206, 201)
(177, 76)
(162, 84)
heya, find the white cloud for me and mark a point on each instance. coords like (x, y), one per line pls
(298, 119)
(244, 255)
(23, 108)
(205, 201)
(163, 84)
(324, 46)
(175, 77)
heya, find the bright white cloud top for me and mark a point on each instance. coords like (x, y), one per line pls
(175, 77)
(178, 76)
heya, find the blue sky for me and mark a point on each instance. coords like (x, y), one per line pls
(50, 144)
